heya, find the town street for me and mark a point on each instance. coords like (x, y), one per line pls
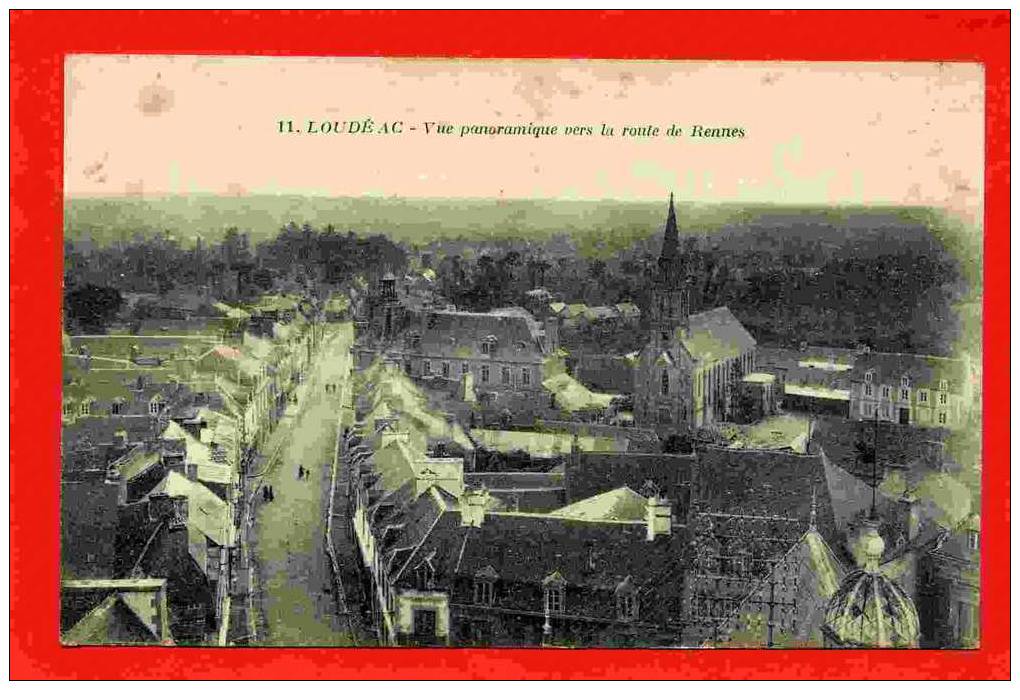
(292, 570)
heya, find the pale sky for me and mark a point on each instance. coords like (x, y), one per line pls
(821, 133)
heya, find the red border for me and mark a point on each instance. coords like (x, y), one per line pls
(39, 42)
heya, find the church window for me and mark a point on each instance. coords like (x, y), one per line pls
(665, 382)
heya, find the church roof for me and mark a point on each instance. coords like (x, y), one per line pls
(716, 335)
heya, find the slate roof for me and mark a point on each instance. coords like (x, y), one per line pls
(716, 335)
(201, 455)
(456, 333)
(129, 614)
(805, 578)
(206, 511)
(619, 504)
(923, 370)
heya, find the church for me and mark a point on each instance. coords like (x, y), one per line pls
(689, 371)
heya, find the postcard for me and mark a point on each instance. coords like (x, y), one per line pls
(521, 354)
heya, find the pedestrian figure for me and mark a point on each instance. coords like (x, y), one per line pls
(265, 493)
(272, 496)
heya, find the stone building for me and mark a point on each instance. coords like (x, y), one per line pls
(912, 390)
(687, 374)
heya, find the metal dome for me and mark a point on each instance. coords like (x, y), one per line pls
(869, 609)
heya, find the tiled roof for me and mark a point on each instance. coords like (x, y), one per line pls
(120, 619)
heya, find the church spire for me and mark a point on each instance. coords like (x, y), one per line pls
(670, 238)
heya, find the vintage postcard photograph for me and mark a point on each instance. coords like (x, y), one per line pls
(562, 354)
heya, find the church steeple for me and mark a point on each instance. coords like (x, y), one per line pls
(670, 239)
(670, 299)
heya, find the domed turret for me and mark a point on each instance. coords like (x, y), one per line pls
(869, 609)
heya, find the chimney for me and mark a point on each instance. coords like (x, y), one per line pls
(908, 516)
(658, 517)
(472, 509)
(552, 333)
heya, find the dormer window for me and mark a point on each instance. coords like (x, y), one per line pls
(555, 593)
(484, 588)
(905, 382)
(627, 601)
(425, 576)
(86, 407)
(943, 385)
(869, 376)
(489, 345)
(68, 409)
(117, 407)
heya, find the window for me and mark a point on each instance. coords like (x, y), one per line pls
(465, 368)
(943, 385)
(627, 606)
(942, 399)
(942, 418)
(154, 407)
(526, 377)
(68, 409)
(665, 382)
(505, 375)
(485, 373)
(885, 392)
(426, 368)
(869, 376)
(489, 345)
(869, 410)
(885, 412)
(483, 591)
(867, 390)
(973, 540)
(554, 599)
(904, 394)
(905, 381)
(424, 577)
(116, 407)
(86, 407)
(446, 369)
(922, 396)
(665, 416)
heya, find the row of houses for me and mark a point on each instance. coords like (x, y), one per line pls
(158, 433)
